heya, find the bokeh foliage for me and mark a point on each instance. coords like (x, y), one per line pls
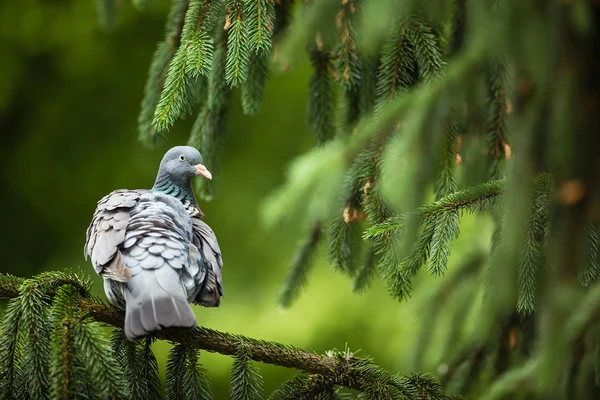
(433, 112)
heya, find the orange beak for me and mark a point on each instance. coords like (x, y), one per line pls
(201, 170)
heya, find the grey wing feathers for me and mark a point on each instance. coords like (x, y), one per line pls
(159, 235)
(210, 260)
(107, 231)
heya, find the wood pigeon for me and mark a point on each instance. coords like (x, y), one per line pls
(154, 252)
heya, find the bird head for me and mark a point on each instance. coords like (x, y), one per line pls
(182, 163)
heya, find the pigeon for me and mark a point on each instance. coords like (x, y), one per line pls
(154, 252)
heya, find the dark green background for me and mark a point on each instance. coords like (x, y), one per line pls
(69, 98)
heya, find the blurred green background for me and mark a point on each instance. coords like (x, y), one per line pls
(69, 98)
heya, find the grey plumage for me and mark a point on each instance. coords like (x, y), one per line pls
(154, 252)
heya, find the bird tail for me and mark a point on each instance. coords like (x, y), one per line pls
(156, 302)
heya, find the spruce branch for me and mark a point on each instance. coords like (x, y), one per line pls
(427, 51)
(367, 271)
(342, 370)
(238, 51)
(446, 182)
(498, 149)
(347, 63)
(260, 19)
(321, 99)
(254, 86)
(246, 382)
(345, 243)
(210, 126)
(62, 365)
(10, 345)
(301, 265)
(140, 367)
(157, 73)
(470, 200)
(396, 68)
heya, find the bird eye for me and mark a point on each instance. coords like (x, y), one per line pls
(181, 157)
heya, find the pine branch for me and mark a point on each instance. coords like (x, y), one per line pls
(186, 379)
(349, 372)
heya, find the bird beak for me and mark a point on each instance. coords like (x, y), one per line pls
(201, 170)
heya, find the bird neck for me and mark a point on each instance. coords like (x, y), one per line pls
(181, 191)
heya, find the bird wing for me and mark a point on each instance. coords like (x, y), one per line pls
(211, 261)
(106, 233)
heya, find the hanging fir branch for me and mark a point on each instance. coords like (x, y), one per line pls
(396, 68)
(161, 59)
(260, 16)
(427, 52)
(321, 99)
(61, 342)
(446, 182)
(254, 85)
(260, 19)
(11, 351)
(37, 340)
(301, 265)
(365, 275)
(589, 269)
(185, 378)
(238, 50)
(210, 126)
(347, 63)
(498, 148)
(345, 241)
(192, 59)
(140, 367)
(246, 382)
